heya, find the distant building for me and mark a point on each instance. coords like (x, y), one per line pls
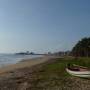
(62, 53)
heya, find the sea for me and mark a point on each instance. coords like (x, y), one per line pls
(7, 59)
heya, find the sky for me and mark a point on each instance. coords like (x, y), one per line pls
(43, 25)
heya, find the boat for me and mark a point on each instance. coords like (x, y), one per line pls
(78, 71)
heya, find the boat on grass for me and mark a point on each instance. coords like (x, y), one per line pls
(78, 71)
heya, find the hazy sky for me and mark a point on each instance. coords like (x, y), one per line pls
(43, 25)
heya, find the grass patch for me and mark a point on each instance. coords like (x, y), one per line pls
(53, 76)
(59, 66)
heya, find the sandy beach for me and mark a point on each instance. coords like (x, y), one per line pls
(44, 73)
(12, 76)
(24, 63)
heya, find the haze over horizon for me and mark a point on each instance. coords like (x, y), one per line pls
(43, 25)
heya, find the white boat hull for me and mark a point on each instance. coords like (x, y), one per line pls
(84, 74)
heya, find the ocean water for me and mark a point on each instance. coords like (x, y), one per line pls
(7, 59)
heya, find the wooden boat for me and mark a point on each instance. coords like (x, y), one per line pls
(78, 71)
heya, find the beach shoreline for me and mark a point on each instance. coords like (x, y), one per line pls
(24, 63)
(13, 76)
(46, 72)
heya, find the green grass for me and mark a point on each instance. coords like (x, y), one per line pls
(54, 74)
(59, 66)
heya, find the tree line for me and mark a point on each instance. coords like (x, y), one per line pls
(82, 48)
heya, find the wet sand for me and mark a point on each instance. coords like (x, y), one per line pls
(20, 76)
(23, 64)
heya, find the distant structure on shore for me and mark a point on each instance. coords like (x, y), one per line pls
(27, 53)
(62, 53)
